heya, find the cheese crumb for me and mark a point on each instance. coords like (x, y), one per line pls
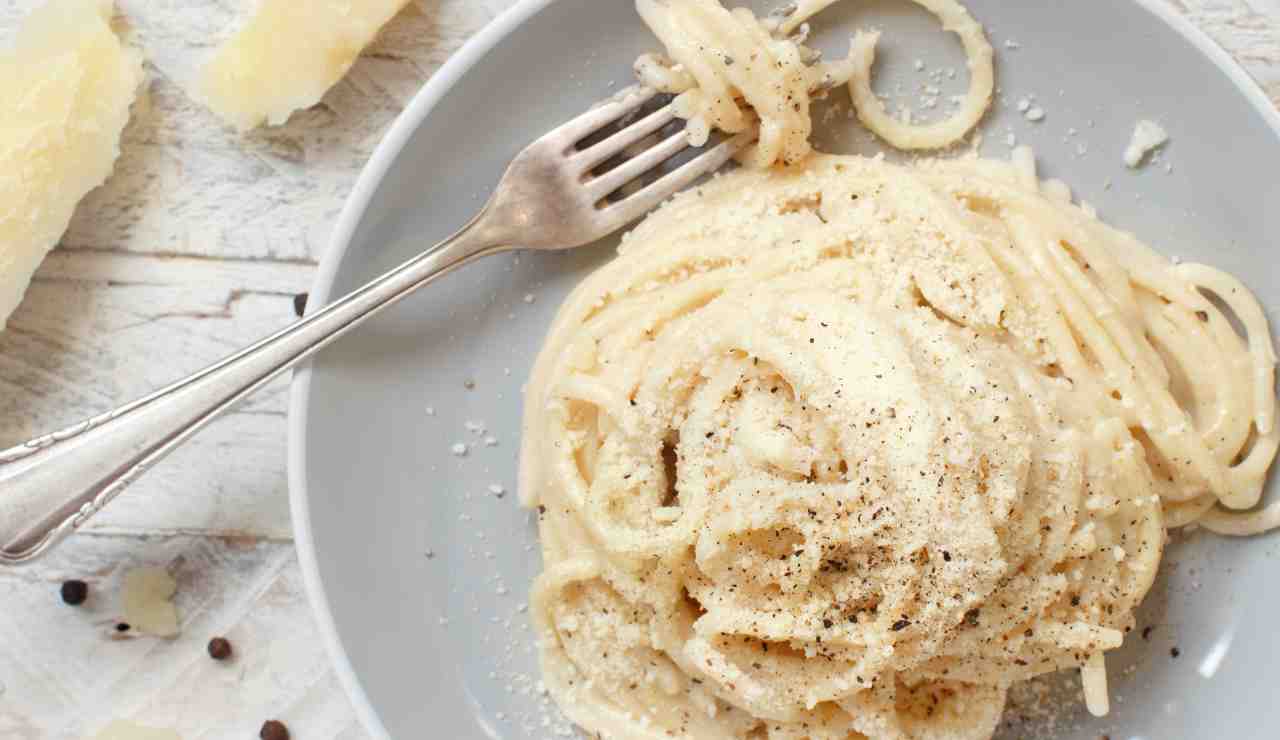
(148, 601)
(288, 55)
(1147, 137)
(65, 88)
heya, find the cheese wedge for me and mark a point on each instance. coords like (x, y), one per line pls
(287, 55)
(66, 85)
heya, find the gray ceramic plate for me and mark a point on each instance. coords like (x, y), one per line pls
(418, 572)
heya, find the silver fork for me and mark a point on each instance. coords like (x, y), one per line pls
(548, 199)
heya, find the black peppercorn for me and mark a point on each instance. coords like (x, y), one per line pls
(273, 730)
(219, 648)
(300, 304)
(74, 592)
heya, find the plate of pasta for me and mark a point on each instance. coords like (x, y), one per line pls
(947, 413)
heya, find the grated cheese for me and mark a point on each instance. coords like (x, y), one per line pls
(1148, 136)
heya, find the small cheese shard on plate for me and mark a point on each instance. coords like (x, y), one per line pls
(122, 730)
(1147, 137)
(148, 601)
(287, 55)
(66, 85)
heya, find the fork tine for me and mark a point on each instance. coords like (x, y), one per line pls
(629, 170)
(603, 115)
(651, 196)
(615, 144)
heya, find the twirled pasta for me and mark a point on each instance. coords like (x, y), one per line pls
(845, 450)
(731, 69)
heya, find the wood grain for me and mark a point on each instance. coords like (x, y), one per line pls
(67, 671)
(195, 247)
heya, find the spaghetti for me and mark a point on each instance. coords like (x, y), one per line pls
(730, 68)
(846, 449)
(824, 446)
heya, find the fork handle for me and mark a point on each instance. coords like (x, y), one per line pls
(51, 485)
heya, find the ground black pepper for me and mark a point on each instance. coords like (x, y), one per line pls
(273, 730)
(219, 648)
(74, 592)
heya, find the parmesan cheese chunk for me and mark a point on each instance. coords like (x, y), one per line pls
(148, 605)
(287, 55)
(122, 730)
(1147, 137)
(65, 90)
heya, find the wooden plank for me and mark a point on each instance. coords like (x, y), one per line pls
(1247, 30)
(99, 329)
(66, 671)
(284, 185)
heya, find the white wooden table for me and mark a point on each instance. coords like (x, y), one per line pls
(195, 247)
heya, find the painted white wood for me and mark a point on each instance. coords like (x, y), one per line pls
(67, 672)
(195, 247)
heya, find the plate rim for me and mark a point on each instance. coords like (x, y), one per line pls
(371, 176)
(357, 203)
